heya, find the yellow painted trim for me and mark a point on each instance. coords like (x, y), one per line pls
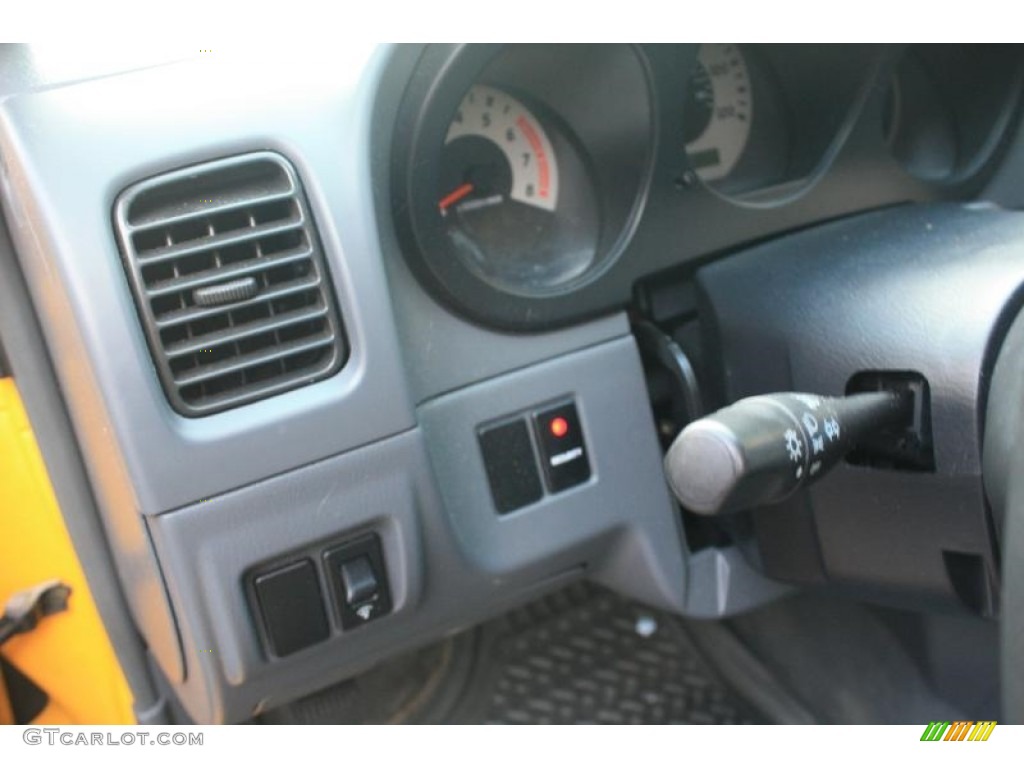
(69, 654)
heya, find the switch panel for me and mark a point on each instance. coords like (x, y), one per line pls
(291, 607)
(563, 453)
(510, 465)
(358, 580)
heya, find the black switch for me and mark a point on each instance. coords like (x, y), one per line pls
(510, 465)
(291, 607)
(563, 453)
(359, 581)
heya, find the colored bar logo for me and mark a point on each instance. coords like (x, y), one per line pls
(961, 730)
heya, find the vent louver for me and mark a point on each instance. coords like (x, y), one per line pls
(230, 282)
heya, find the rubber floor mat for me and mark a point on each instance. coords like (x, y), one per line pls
(586, 655)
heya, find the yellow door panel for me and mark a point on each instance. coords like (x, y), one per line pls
(68, 654)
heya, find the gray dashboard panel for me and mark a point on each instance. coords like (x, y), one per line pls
(451, 560)
(147, 122)
(442, 351)
(207, 549)
(214, 497)
(626, 494)
(142, 457)
(190, 505)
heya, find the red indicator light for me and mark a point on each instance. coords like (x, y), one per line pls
(559, 427)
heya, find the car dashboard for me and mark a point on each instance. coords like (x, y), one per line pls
(363, 348)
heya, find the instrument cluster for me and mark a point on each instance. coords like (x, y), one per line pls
(533, 185)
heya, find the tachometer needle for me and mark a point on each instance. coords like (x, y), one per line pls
(454, 196)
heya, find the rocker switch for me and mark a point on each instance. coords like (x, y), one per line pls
(360, 582)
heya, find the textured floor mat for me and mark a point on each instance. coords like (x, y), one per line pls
(586, 655)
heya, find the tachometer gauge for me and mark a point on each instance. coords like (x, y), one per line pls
(506, 125)
(515, 199)
(718, 112)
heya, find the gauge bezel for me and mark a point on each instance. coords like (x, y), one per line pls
(794, 140)
(441, 78)
(976, 127)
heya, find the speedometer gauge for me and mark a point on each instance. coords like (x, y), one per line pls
(515, 199)
(718, 112)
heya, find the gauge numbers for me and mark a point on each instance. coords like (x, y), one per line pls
(514, 198)
(718, 112)
(493, 115)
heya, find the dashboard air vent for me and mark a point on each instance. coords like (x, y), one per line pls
(230, 282)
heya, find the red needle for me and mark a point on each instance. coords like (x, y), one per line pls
(454, 196)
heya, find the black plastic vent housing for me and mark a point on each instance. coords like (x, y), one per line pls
(230, 282)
